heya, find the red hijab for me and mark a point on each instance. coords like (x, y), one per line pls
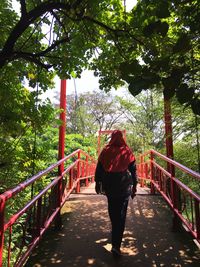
(116, 156)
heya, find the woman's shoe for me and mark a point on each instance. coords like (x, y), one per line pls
(116, 252)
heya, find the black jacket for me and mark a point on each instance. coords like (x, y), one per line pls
(116, 184)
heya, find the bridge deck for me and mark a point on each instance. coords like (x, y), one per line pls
(85, 238)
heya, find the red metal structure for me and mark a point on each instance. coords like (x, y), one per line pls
(61, 149)
(62, 128)
(22, 229)
(184, 202)
(168, 133)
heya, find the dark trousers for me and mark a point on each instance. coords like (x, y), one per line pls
(117, 209)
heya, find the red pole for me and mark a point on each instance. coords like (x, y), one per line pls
(86, 171)
(78, 172)
(152, 172)
(174, 191)
(196, 203)
(2, 209)
(62, 129)
(99, 143)
(168, 133)
(61, 150)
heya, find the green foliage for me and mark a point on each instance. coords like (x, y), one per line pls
(121, 47)
(157, 27)
(160, 51)
(143, 120)
(90, 112)
(189, 158)
(77, 141)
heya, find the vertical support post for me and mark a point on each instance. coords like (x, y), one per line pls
(152, 172)
(71, 178)
(62, 128)
(38, 217)
(197, 217)
(86, 171)
(92, 170)
(142, 170)
(2, 211)
(61, 152)
(168, 134)
(146, 172)
(78, 172)
(98, 149)
(175, 192)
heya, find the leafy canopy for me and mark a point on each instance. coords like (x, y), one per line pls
(155, 45)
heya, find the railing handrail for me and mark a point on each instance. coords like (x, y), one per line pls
(81, 168)
(176, 164)
(185, 187)
(183, 200)
(13, 191)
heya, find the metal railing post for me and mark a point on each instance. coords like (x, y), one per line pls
(70, 178)
(86, 171)
(78, 172)
(197, 217)
(142, 170)
(152, 172)
(2, 212)
(38, 218)
(61, 152)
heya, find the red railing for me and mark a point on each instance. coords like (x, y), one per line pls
(21, 229)
(167, 177)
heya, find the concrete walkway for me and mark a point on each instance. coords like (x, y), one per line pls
(84, 240)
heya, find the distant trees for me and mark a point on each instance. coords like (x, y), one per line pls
(91, 112)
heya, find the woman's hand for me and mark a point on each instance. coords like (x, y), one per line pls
(98, 188)
(133, 193)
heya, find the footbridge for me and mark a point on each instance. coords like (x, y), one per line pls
(66, 224)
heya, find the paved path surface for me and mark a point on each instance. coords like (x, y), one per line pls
(84, 240)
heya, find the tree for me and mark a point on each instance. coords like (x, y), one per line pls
(144, 120)
(91, 112)
(159, 50)
(74, 30)
(165, 58)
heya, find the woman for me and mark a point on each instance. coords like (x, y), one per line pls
(116, 173)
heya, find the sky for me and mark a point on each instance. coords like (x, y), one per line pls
(87, 82)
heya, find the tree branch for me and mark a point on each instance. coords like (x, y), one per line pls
(59, 21)
(24, 23)
(51, 47)
(23, 8)
(32, 58)
(27, 18)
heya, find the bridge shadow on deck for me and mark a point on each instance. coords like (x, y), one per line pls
(84, 240)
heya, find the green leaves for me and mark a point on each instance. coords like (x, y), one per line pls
(162, 10)
(184, 93)
(136, 86)
(127, 70)
(157, 27)
(196, 106)
(130, 67)
(143, 82)
(138, 77)
(183, 44)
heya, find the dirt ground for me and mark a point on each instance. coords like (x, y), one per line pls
(84, 240)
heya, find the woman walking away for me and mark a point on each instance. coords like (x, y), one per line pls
(116, 173)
